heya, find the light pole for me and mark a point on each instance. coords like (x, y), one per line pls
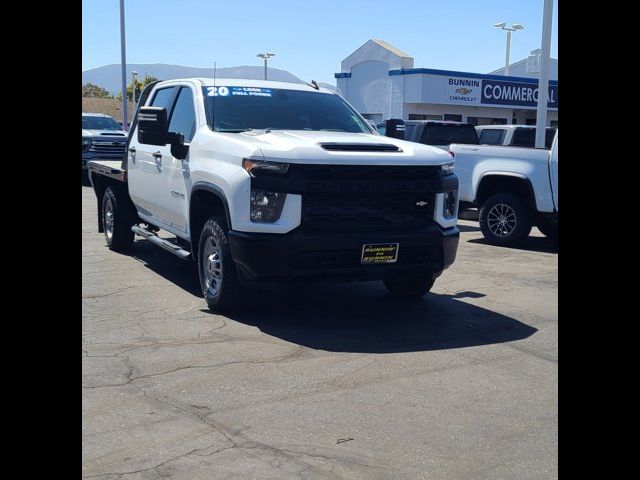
(543, 80)
(123, 68)
(515, 27)
(265, 56)
(133, 86)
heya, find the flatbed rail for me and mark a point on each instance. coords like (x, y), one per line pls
(109, 168)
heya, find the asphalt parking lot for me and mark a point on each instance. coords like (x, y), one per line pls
(327, 381)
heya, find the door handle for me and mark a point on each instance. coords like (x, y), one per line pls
(157, 155)
(132, 149)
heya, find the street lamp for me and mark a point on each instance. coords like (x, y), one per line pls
(515, 27)
(133, 83)
(123, 67)
(265, 56)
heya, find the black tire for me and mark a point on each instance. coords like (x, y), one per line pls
(225, 294)
(409, 286)
(117, 226)
(549, 229)
(518, 219)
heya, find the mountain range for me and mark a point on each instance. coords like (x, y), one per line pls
(108, 76)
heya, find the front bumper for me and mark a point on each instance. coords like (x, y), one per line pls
(297, 255)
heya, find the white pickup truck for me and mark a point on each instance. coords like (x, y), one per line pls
(263, 182)
(514, 188)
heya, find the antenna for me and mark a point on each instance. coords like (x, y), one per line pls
(314, 84)
(215, 94)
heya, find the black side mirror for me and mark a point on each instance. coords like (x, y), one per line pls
(152, 126)
(153, 130)
(395, 128)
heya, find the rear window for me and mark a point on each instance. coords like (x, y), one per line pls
(491, 136)
(526, 137)
(439, 134)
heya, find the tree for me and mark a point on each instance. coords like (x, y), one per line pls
(94, 91)
(139, 86)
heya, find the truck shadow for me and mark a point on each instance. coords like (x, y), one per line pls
(533, 244)
(354, 317)
(363, 318)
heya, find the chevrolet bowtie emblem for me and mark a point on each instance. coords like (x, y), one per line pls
(422, 203)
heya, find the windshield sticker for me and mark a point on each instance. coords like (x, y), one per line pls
(238, 91)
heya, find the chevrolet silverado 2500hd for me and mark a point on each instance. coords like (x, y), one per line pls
(102, 138)
(269, 181)
(514, 188)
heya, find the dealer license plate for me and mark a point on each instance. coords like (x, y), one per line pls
(379, 253)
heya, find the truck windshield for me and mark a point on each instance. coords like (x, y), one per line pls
(100, 123)
(237, 109)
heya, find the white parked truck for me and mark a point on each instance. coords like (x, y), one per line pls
(514, 189)
(264, 182)
(513, 135)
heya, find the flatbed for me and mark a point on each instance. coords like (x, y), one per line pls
(109, 168)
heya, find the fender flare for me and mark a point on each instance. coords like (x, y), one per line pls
(219, 193)
(498, 173)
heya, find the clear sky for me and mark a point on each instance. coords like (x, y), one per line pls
(310, 38)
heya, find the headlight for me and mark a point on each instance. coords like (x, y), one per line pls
(448, 168)
(450, 201)
(258, 167)
(266, 207)
(86, 143)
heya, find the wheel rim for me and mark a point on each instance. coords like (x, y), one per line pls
(502, 220)
(108, 218)
(212, 266)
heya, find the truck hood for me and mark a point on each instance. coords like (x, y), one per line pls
(106, 133)
(310, 147)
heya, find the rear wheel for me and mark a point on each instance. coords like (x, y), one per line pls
(409, 286)
(217, 270)
(117, 220)
(504, 219)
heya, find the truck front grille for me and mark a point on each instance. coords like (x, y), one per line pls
(345, 197)
(108, 148)
(365, 210)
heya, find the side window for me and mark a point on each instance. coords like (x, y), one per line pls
(524, 137)
(162, 98)
(183, 118)
(491, 136)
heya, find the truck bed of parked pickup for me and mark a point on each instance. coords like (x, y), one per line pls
(265, 182)
(514, 188)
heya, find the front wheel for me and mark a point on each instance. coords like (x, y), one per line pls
(217, 270)
(504, 219)
(410, 286)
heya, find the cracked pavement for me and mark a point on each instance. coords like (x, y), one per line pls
(320, 381)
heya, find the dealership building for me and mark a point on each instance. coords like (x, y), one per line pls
(381, 82)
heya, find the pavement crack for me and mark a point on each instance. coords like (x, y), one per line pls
(155, 467)
(188, 367)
